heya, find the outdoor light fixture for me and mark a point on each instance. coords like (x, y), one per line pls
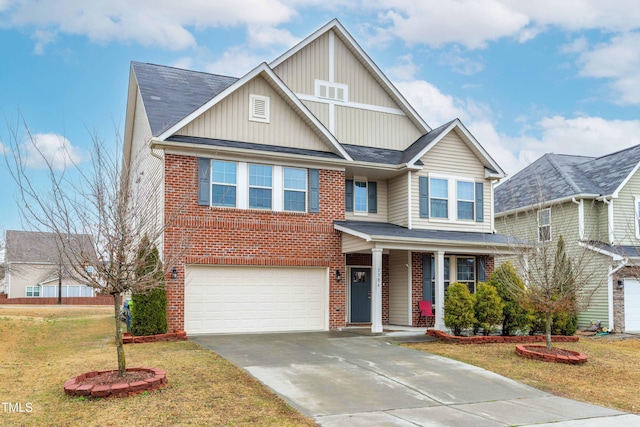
(338, 275)
(620, 283)
(174, 273)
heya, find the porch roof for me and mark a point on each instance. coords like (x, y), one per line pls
(389, 235)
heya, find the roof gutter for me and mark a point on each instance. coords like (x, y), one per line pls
(547, 204)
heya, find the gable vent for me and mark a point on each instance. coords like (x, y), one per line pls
(259, 108)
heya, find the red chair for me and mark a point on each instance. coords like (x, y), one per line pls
(426, 311)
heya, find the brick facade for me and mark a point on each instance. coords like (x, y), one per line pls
(618, 295)
(226, 236)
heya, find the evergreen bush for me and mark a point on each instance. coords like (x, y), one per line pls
(149, 311)
(510, 289)
(458, 308)
(487, 309)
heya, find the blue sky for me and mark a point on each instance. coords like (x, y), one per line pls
(525, 77)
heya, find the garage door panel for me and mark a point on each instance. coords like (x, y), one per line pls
(632, 305)
(221, 299)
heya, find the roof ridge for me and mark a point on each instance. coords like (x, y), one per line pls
(563, 173)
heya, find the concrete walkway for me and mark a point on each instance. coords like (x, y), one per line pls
(350, 379)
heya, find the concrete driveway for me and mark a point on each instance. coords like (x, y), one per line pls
(345, 379)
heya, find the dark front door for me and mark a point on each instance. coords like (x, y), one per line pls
(360, 295)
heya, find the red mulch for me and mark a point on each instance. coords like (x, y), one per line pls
(111, 378)
(553, 351)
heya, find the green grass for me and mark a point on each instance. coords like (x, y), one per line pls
(40, 351)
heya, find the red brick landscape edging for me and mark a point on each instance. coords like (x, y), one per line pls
(74, 386)
(575, 358)
(127, 338)
(494, 339)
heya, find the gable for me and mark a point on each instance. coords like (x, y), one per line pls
(229, 120)
(451, 155)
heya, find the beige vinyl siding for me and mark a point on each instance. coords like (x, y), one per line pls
(381, 215)
(363, 88)
(624, 223)
(230, 120)
(301, 70)
(148, 186)
(320, 110)
(398, 192)
(352, 244)
(399, 293)
(451, 158)
(374, 129)
(33, 274)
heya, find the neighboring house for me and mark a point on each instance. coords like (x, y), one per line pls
(34, 267)
(315, 195)
(594, 202)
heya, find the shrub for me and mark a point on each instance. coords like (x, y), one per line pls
(458, 308)
(562, 323)
(487, 309)
(510, 288)
(149, 308)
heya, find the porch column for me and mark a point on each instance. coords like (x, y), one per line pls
(376, 290)
(439, 279)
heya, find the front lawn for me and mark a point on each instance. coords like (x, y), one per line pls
(41, 348)
(609, 378)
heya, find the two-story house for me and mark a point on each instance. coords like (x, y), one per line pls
(314, 196)
(594, 203)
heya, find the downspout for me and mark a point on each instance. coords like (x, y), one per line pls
(609, 202)
(580, 204)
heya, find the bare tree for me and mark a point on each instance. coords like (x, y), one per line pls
(111, 200)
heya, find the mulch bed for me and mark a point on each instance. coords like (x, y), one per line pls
(558, 355)
(114, 377)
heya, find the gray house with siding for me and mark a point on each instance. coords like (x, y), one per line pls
(594, 203)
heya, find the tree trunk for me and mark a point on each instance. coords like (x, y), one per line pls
(548, 329)
(60, 286)
(122, 365)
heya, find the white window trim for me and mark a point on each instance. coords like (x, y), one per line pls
(318, 84)
(254, 114)
(636, 200)
(366, 198)
(450, 209)
(249, 187)
(452, 205)
(473, 201)
(539, 216)
(306, 188)
(212, 183)
(26, 291)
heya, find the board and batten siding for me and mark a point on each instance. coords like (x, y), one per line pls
(230, 120)
(399, 289)
(624, 213)
(381, 214)
(320, 110)
(451, 158)
(374, 128)
(300, 71)
(398, 191)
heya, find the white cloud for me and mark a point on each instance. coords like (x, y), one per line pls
(52, 149)
(164, 23)
(184, 62)
(235, 62)
(266, 37)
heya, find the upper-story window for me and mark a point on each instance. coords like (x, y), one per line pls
(361, 196)
(465, 200)
(223, 183)
(260, 186)
(295, 189)
(439, 200)
(544, 225)
(332, 90)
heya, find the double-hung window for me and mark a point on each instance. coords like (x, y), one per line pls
(439, 197)
(295, 189)
(465, 200)
(260, 186)
(223, 183)
(544, 225)
(360, 196)
(33, 291)
(466, 272)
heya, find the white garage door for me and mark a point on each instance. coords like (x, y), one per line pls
(631, 305)
(229, 299)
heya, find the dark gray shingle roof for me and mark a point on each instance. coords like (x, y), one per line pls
(383, 229)
(422, 142)
(385, 156)
(170, 94)
(252, 146)
(558, 176)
